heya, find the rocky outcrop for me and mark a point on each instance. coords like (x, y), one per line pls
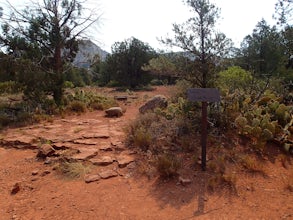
(158, 101)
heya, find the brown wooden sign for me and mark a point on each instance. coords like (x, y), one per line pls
(204, 95)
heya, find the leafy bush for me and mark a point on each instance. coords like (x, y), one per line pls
(90, 99)
(234, 78)
(76, 106)
(68, 84)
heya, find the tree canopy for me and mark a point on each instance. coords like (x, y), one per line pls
(125, 63)
(47, 33)
(198, 37)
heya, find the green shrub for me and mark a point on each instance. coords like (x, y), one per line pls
(68, 84)
(234, 78)
(142, 138)
(76, 106)
(91, 99)
(4, 120)
(10, 87)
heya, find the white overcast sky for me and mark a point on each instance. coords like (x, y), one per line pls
(148, 20)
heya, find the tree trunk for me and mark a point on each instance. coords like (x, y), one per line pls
(58, 78)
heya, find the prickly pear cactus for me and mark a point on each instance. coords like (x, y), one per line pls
(267, 119)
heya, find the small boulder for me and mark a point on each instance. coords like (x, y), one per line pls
(114, 112)
(35, 172)
(158, 101)
(92, 178)
(124, 160)
(184, 181)
(121, 98)
(108, 174)
(45, 150)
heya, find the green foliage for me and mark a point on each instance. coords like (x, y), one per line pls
(265, 120)
(197, 37)
(10, 87)
(90, 99)
(162, 66)
(125, 63)
(46, 35)
(68, 84)
(262, 51)
(76, 106)
(79, 77)
(172, 128)
(234, 78)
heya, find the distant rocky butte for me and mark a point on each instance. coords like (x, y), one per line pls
(86, 53)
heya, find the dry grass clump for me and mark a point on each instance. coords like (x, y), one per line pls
(73, 170)
(168, 165)
(77, 107)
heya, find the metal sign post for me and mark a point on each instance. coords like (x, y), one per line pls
(204, 95)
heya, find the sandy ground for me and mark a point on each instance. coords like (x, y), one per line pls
(43, 194)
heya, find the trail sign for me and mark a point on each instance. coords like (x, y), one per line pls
(204, 95)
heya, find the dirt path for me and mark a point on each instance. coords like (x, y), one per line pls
(42, 194)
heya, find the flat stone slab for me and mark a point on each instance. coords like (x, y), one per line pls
(103, 135)
(106, 148)
(108, 174)
(19, 140)
(102, 161)
(124, 160)
(85, 154)
(86, 141)
(92, 178)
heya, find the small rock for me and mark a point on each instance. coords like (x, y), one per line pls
(124, 160)
(92, 178)
(184, 181)
(35, 172)
(108, 174)
(45, 150)
(15, 189)
(121, 98)
(46, 172)
(114, 112)
(49, 161)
